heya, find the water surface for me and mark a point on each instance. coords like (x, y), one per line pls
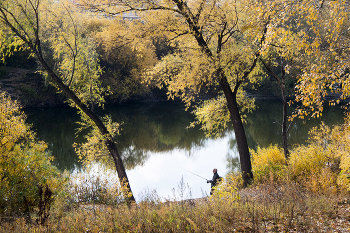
(159, 150)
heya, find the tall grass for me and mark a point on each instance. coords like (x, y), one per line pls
(265, 208)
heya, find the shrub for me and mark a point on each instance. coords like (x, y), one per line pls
(25, 164)
(96, 185)
(306, 160)
(344, 148)
(268, 163)
(323, 165)
(228, 187)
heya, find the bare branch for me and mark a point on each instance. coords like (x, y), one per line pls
(106, 8)
(276, 122)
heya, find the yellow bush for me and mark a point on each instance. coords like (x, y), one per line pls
(268, 163)
(324, 164)
(307, 160)
(25, 164)
(344, 147)
(228, 187)
(344, 176)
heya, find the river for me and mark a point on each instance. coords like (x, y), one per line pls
(159, 151)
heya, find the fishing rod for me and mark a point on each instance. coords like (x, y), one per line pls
(193, 173)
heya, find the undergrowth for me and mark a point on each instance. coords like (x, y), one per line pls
(265, 208)
(307, 193)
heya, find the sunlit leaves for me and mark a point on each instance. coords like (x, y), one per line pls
(185, 74)
(213, 114)
(95, 149)
(125, 56)
(24, 163)
(9, 44)
(75, 56)
(13, 128)
(22, 16)
(268, 163)
(326, 49)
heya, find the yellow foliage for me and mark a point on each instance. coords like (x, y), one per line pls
(126, 55)
(344, 148)
(322, 166)
(24, 163)
(268, 163)
(326, 54)
(95, 149)
(307, 160)
(227, 189)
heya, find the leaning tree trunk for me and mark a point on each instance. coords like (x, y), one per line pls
(242, 144)
(34, 44)
(110, 144)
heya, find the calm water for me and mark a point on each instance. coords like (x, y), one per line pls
(157, 147)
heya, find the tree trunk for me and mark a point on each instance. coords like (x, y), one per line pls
(282, 84)
(111, 146)
(243, 149)
(284, 122)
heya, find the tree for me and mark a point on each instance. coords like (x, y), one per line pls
(325, 26)
(311, 38)
(124, 60)
(282, 53)
(221, 40)
(38, 24)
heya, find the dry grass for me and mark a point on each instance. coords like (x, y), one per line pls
(260, 208)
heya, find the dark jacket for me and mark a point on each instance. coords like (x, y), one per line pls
(215, 180)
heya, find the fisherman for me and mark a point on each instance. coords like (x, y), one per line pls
(214, 181)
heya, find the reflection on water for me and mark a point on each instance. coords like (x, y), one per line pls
(263, 127)
(57, 127)
(164, 170)
(157, 146)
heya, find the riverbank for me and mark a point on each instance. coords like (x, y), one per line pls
(261, 208)
(31, 90)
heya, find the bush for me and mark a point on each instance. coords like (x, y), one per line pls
(226, 192)
(344, 153)
(306, 160)
(268, 164)
(96, 185)
(309, 166)
(25, 164)
(322, 166)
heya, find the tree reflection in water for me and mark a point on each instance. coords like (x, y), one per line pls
(149, 128)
